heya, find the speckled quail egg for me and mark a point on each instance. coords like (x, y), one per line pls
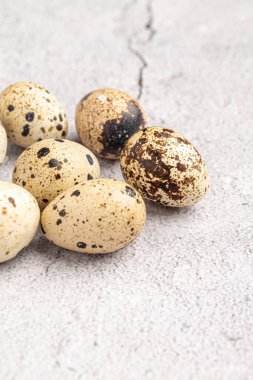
(3, 143)
(106, 118)
(98, 216)
(19, 219)
(164, 167)
(31, 113)
(51, 166)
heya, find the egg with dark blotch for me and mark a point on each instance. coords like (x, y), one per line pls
(164, 167)
(31, 113)
(19, 219)
(106, 118)
(98, 216)
(52, 166)
(3, 143)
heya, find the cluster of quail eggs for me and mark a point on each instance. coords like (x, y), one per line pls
(56, 181)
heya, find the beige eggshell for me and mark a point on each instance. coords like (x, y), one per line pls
(164, 167)
(3, 143)
(19, 219)
(31, 113)
(106, 118)
(49, 167)
(98, 216)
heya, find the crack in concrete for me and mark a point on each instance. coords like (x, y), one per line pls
(141, 69)
(54, 260)
(144, 64)
(49, 265)
(150, 22)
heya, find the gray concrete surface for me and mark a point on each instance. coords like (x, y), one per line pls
(178, 303)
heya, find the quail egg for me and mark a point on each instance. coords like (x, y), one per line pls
(19, 219)
(164, 167)
(3, 143)
(31, 113)
(106, 118)
(97, 216)
(51, 166)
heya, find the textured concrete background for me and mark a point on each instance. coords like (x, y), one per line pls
(178, 303)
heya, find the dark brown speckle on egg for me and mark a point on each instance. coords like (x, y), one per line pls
(26, 130)
(29, 116)
(43, 152)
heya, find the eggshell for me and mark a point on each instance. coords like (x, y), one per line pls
(98, 216)
(106, 118)
(52, 166)
(164, 167)
(31, 113)
(19, 219)
(3, 143)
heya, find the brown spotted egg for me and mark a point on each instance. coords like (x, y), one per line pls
(19, 219)
(98, 216)
(31, 113)
(51, 166)
(164, 167)
(106, 118)
(3, 143)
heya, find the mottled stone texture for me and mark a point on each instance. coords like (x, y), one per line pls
(178, 303)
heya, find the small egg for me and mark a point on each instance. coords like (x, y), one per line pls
(19, 219)
(31, 113)
(52, 166)
(98, 216)
(164, 167)
(3, 143)
(106, 118)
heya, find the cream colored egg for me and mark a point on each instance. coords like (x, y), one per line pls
(98, 216)
(31, 113)
(164, 167)
(19, 219)
(52, 166)
(3, 143)
(106, 118)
